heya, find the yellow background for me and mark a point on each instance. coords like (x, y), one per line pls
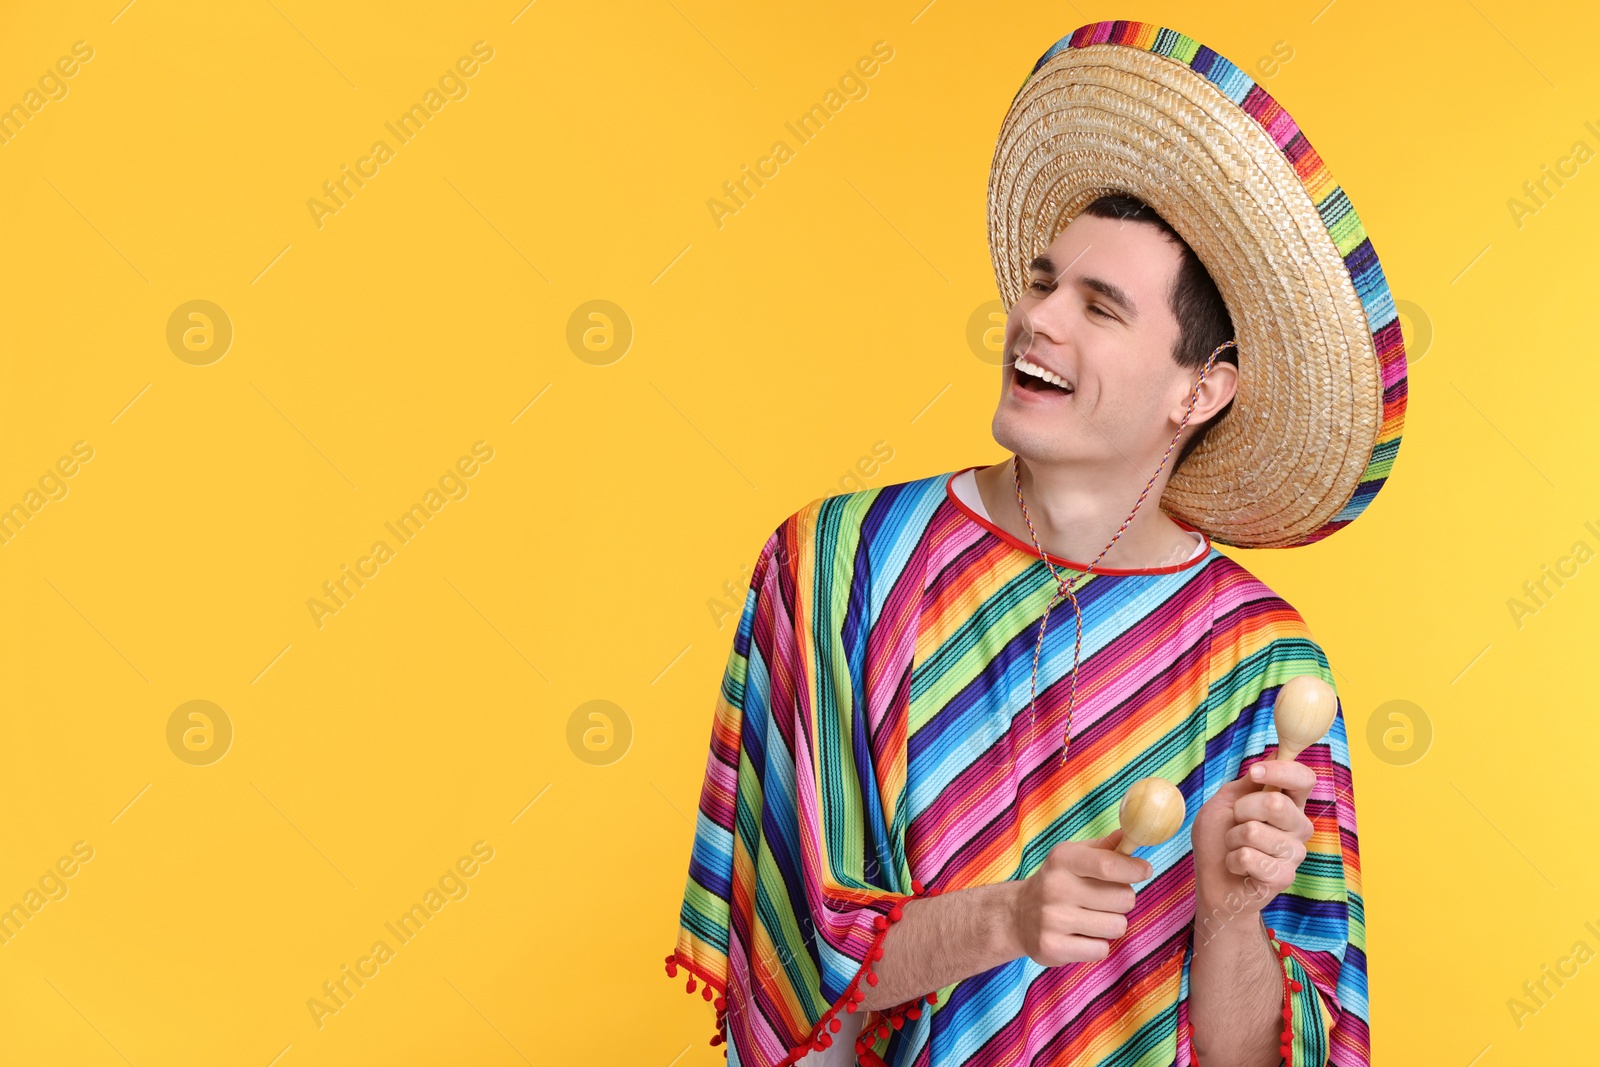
(769, 355)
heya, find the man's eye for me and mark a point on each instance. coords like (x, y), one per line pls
(1097, 309)
(1039, 287)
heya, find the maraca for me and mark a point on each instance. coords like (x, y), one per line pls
(1303, 713)
(1151, 811)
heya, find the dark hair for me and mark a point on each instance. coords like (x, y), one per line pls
(1203, 320)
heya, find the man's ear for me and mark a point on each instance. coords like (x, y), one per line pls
(1215, 392)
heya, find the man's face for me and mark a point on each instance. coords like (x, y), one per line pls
(1096, 302)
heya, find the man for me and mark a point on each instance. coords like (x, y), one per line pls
(906, 846)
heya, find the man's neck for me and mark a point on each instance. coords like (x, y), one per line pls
(1076, 510)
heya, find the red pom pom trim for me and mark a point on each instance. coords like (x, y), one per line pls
(821, 1035)
(894, 1018)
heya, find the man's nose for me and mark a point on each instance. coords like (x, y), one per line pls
(1048, 320)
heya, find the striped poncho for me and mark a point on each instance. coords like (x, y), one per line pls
(872, 741)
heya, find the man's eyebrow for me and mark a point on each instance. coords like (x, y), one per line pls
(1112, 292)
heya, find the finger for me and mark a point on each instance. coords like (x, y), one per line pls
(1291, 776)
(1283, 773)
(1268, 870)
(1263, 837)
(1109, 841)
(1107, 865)
(1056, 949)
(1085, 922)
(1096, 895)
(1266, 839)
(1060, 855)
(1230, 791)
(1218, 808)
(1274, 809)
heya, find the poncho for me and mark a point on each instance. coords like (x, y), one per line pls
(872, 742)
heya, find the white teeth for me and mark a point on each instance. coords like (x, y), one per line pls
(1037, 371)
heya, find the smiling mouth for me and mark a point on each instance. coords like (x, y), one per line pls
(1035, 379)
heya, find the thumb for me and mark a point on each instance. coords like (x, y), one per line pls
(1109, 841)
(1238, 787)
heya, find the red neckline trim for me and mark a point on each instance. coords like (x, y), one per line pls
(1023, 546)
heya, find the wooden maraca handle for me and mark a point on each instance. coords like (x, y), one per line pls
(1151, 811)
(1303, 713)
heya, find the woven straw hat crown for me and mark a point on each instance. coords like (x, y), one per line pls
(1127, 107)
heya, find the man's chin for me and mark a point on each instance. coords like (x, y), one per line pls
(1032, 438)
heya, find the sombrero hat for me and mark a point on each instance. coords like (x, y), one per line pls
(1127, 107)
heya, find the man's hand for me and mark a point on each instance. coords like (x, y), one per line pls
(1249, 843)
(1076, 903)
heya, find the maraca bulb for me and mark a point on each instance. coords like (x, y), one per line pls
(1151, 811)
(1304, 711)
